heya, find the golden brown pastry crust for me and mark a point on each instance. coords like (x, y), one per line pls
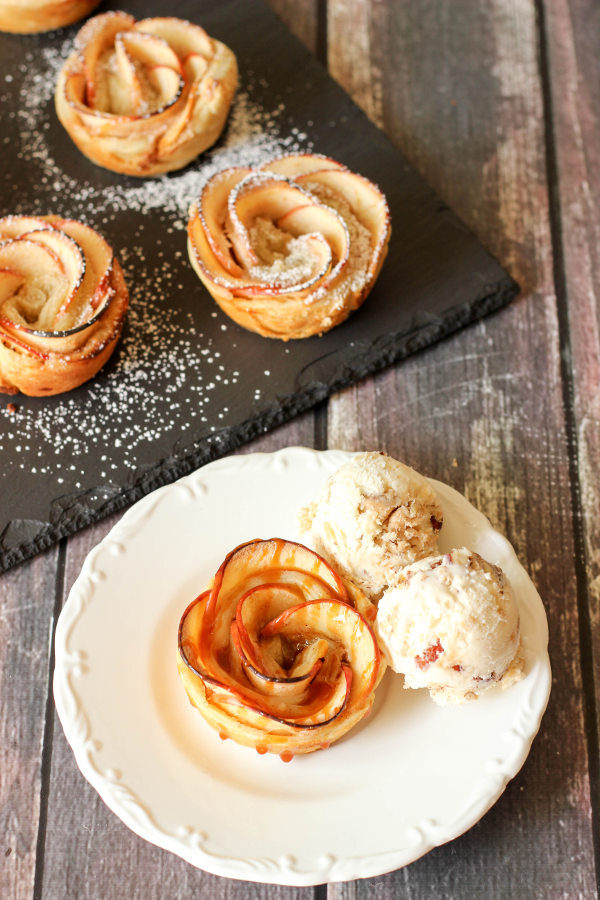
(146, 97)
(31, 16)
(63, 301)
(277, 654)
(290, 249)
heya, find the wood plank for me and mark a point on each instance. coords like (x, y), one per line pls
(457, 87)
(89, 853)
(27, 598)
(572, 30)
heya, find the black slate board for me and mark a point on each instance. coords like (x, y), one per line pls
(186, 384)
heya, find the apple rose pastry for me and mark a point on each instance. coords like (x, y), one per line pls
(63, 301)
(276, 654)
(290, 249)
(145, 97)
(29, 16)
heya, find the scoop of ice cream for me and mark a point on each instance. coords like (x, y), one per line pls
(451, 624)
(374, 516)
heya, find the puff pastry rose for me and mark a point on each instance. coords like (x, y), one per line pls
(63, 301)
(145, 97)
(29, 16)
(289, 249)
(276, 654)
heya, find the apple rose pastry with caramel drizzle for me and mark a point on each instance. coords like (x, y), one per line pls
(63, 301)
(277, 654)
(143, 98)
(30, 16)
(290, 249)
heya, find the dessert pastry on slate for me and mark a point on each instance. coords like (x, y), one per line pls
(145, 97)
(291, 248)
(373, 517)
(277, 654)
(29, 16)
(451, 624)
(62, 304)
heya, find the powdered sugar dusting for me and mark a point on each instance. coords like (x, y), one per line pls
(252, 137)
(167, 366)
(289, 261)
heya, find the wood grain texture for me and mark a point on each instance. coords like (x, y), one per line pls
(27, 598)
(572, 32)
(89, 853)
(457, 87)
(350, 60)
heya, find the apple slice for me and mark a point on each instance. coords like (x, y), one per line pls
(167, 84)
(202, 100)
(316, 703)
(259, 561)
(338, 622)
(15, 226)
(261, 195)
(320, 703)
(194, 66)
(184, 37)
(30, 259)
(329, 700)
(96, 36)
(321, 220)
(8, 334)
(212, 210)
(295, 164)
(292, 686)
(365, 199)
(267, 666)
(48, 268)
(127, 95)
(257, 196)
(73, 267)
(151, 72)
(33, 287)
(204, 260)
(93, 288)
(255, 608)
(10, 281)
(149, 50)
(218, 279)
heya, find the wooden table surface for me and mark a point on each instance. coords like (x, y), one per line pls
(498, 106)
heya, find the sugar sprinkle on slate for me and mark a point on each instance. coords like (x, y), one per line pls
(161, 349)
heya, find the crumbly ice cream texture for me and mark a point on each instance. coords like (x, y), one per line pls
(374, 516)
(451, 625)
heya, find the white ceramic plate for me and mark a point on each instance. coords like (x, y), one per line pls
(413, 776)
